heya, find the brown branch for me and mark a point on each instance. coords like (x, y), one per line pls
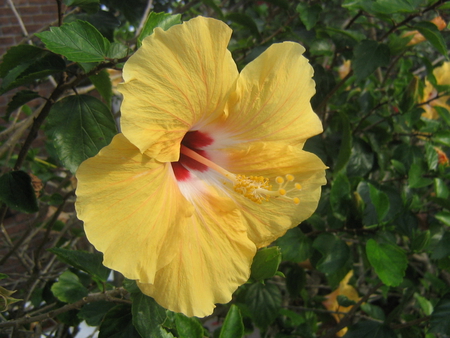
(110, 296)
(410, 323)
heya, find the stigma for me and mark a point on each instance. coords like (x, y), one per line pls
(256, 188)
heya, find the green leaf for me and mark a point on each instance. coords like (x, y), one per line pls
(89, 6)
(244, 20)
(118, 323)
(68, 288)
(18, 55)
(161, 20)
(380, 201)
(344, 301)
(373, 311)
(369, 329)
(393, 6)
(444, 217)
(442, 248)
(433, 35)
(345, 149)
(85, 261)
(213, 5)
(335, 253)
(93, 313)
(263, 302)
(39, 67)
(368, 56)
(148, 316)
(442, 137)
(439, 322)
(389, 261)
(265, 263)
(117, 51)
(444, 113)
(424, 304)
(102, 83)
(309, 14)
(17, 192)
(415, 177)
(232, 327)
(78, 41)
(340, 196)
(431, 156)
(295, 246)
(188, 327)
(19, 99)
(80, 125)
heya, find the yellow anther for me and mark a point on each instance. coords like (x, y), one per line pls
(298, 186)
(279, 180)
(282, 192)
(296, 200)
(289, 177)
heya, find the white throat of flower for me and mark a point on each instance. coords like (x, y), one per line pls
(256, 188)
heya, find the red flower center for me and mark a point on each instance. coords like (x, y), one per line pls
(194, 140)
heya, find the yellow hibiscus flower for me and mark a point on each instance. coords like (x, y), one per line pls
(442, 75)
(181, 200)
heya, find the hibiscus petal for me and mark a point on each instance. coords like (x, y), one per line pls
(177, 81)
(269, 220)
(131, 206)
(213, 258)
(272, 99)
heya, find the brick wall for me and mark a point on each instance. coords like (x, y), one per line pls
(34, 14)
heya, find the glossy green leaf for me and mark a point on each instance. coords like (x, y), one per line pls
(373, 311)
(17, 192)
(38, 67)
(161, 20)
(188, 327)
(444, 114)
(420, 240)
(416, 177)
(147, 315)
(368, 56)
(85, 261)
(263, 302)
(433, 35)
(295, 246)
(424, 304)
(439, 322)
(380, 201)
(102, 83)
(93, 313)
(388, 260)
(89, 6)
(309, 14)
(265, 263)
(19, 99)
(117, 323)
(20, 54)
(442, 137)
(393, 6)
(80, 126)
(444, 217)
(335, 253)
(68, 288)
(369, 329)
(232, 327)
(78, 41)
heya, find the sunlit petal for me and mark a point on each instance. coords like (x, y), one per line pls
(272, 99)
(178, 80)
(213, 257)
(131, 207)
